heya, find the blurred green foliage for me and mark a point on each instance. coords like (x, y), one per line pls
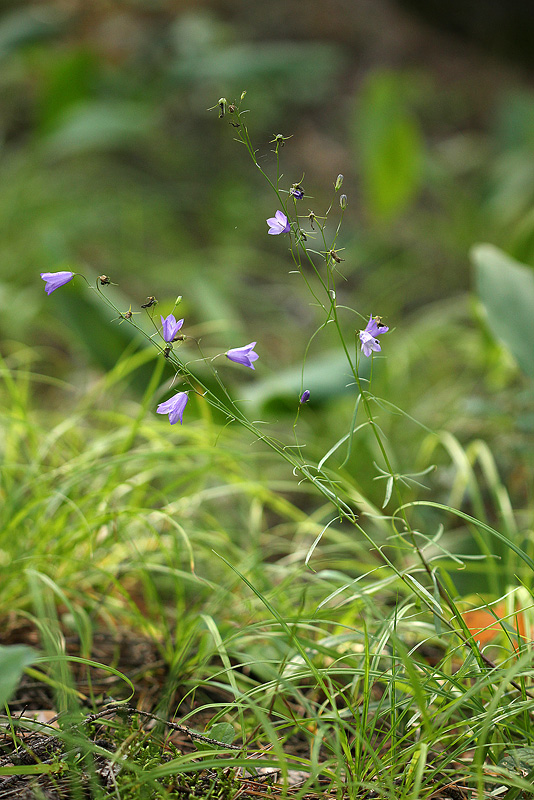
(506, 289)
(111, 163)
(391, 144)
(12, 662)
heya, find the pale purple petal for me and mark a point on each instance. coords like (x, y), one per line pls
(374, 328)
(278, 224)
(368, 337)
(369, 343)
(174, 407)
(243, 355)
(53, 280)
(170, 327)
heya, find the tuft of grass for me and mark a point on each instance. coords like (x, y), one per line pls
(264, 614)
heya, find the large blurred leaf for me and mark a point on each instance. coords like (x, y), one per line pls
(13, 659)
(303, 69)
(97, 125)
(389, 143)
(506, 289)
(514, 120)
(326, 376)
(26, 26)
(67, 78)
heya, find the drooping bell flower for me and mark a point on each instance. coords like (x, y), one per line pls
(170, 327)
(243, 355)
(369, 336)
(174, 407)
(278, 224)
(53, 280)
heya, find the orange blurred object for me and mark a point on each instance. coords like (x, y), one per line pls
(485, 628)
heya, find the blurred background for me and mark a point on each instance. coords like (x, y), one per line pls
(111, 163)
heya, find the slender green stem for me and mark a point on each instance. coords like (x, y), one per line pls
(299, 249)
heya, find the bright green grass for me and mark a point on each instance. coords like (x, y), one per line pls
(111, 520)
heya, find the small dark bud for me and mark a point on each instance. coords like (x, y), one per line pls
(150, 301)
(343, 201)
(232, 108)
(297, 191)
(222, 107)
(128, 314)
(104, 280)
(339, 182)
(333, 254)
(167, 350)
(279, 139)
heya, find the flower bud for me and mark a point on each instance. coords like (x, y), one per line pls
(339, 182)
(343, 201)
(104, 280)
(305, 396)
(222, 107)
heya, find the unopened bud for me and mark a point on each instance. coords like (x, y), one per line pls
(343, 200)
(305, 396)
(243, 94)
(222, 107)
(104, 280)
(339, 182)
(178, 300)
